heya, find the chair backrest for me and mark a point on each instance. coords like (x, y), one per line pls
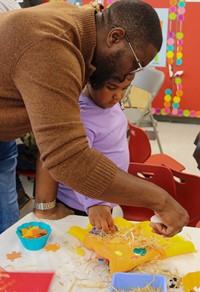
(144, 88)
(149, 79)
(139, 98)
(159, 175)
(139, 145)
(28, 173)
(188, 194)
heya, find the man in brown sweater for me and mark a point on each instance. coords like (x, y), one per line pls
(44, 64)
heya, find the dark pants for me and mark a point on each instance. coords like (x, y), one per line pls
(26, 160)
(9, 209)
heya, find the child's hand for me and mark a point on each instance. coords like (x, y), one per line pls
(100, 216)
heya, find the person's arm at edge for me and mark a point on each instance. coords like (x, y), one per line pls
(136, 192)
(141, 193)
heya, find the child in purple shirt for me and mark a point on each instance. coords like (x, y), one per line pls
(106, 126)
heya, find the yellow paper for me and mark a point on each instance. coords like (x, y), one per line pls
(121, 248)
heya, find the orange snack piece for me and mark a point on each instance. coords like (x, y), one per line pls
(33, 232)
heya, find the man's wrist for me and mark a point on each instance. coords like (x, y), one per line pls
(45, 206)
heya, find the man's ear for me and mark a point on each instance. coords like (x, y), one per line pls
(115, 35)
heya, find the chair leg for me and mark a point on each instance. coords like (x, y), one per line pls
(156, 133)
(144, 113)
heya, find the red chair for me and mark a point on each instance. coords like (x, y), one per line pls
(159, 175)
(139, 145)
(29, 174)
(140, 151)
(187, 190)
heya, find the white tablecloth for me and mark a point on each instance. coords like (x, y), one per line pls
(73, 272)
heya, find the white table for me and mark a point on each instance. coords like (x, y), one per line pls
(72, 272)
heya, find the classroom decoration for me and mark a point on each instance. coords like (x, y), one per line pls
(174, 94)
(74, 2)
(175, 60)
(131, 245)
(160, 58)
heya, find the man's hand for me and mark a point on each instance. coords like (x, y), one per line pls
(100, 216)
(173, 217)
(59, 212)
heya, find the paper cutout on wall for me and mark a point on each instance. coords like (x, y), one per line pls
(160, 59)
(175, 55)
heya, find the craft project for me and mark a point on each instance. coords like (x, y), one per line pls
(132, 244)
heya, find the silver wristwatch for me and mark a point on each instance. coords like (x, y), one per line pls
(45, 206)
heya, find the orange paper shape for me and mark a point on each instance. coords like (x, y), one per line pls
(33, 232)
(121, 249)
(52, 247)
(14, 255)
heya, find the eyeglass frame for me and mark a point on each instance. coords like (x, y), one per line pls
(140, 68)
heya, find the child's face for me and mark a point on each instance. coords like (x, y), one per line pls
(110, 94)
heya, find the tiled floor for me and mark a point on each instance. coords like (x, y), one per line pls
(177, 141)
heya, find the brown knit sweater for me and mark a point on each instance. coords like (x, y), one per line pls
(45, 57)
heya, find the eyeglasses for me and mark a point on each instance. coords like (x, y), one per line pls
(140, 68)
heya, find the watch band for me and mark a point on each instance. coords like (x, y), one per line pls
(45, 206)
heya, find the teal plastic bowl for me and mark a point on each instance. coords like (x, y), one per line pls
(34, 243)
(127, 281)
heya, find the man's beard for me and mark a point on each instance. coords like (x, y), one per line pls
(106, 67)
